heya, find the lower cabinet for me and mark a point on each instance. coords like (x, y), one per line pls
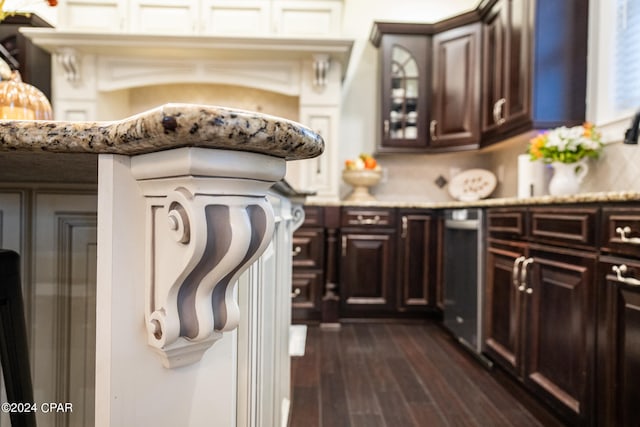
(540, 313)
(618, 355)
(367, 263)
(416, 260)
(559, 329)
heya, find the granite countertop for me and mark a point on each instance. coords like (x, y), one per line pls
(166, 127)
(602, 197)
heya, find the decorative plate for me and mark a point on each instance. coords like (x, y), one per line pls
(472, 184)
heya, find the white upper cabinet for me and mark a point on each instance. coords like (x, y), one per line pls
(243, 18)
(92, 15)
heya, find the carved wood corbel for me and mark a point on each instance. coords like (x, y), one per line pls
(207, 220)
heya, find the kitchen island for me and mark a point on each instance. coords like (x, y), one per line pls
(185, 210)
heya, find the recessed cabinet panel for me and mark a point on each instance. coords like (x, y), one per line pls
(164, 16)
(456, 88)
(367, 273)
(95, 15)
(507, 68)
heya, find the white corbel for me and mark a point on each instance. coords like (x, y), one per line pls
(207, 220)
(321, 63)
(68, 59)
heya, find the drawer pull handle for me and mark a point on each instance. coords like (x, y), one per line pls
(368, 221)
(516, 269)
(622, 269)
(295, 293)
(432, 130)
(623, 231)
(497, 111)
(404, 226)
(523, 274)
(344, 245)
(296, 251)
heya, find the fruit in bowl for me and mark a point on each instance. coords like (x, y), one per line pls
(362, 173)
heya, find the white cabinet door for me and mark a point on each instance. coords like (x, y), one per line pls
(92, 15)
(307, 18)
(63, 305)
(235, 17)
(165, 17)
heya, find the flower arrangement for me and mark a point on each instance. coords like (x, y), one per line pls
(566, 145)
(4, 13)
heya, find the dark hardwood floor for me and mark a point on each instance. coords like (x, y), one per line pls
(396, 375)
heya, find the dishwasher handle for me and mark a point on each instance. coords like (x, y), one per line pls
(462, 224)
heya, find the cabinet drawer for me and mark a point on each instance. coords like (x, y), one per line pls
(313, 216)
(564, 225)
(368, 217)
(506, 222)
(621, 231)
(308, 248)
(306, 289)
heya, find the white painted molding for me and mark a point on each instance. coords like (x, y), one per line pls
(207, 220)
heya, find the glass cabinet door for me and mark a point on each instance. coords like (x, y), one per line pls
(403, 115)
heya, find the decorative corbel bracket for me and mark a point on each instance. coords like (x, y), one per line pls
(321, 63)
(68, 59)
(207, 221)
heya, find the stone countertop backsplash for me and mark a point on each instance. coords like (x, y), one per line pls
(602, 197)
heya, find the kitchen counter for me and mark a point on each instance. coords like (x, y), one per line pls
(166, 127)
(183, 236)
(602, 197)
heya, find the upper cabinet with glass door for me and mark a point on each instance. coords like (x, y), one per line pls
(405, 92)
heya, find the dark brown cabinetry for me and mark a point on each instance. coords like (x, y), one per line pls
(456, 88)
(416, 260)
(367, 263)
(541, 302)
(308, 266)
(618, 287)
(405, 89)
(477, 71)
(507, 64)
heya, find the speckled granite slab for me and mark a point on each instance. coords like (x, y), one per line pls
(168, 126)
(602, 197)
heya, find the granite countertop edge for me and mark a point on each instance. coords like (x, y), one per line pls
(166, 127)
(599, 197)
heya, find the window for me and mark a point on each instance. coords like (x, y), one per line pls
(627, 55)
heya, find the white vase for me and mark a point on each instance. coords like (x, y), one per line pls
(567, 177)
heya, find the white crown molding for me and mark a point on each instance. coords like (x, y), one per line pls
(192, 47)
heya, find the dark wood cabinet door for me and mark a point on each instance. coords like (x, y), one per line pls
(503, 306)
(507, 65)
(405, 92)
(367, 272)
(456, 88)
(306, 294)
(416, 261)
(560, 329)
(618, 342)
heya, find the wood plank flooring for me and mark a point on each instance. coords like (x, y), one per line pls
(397, 375)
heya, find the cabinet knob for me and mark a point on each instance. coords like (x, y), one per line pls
(296, 251)
(529, 291)
(295, 293)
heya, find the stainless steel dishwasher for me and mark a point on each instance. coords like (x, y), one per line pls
(463, 276)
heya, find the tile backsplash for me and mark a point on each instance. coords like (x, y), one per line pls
(413, 177)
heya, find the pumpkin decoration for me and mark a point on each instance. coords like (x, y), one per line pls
(22, 101)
